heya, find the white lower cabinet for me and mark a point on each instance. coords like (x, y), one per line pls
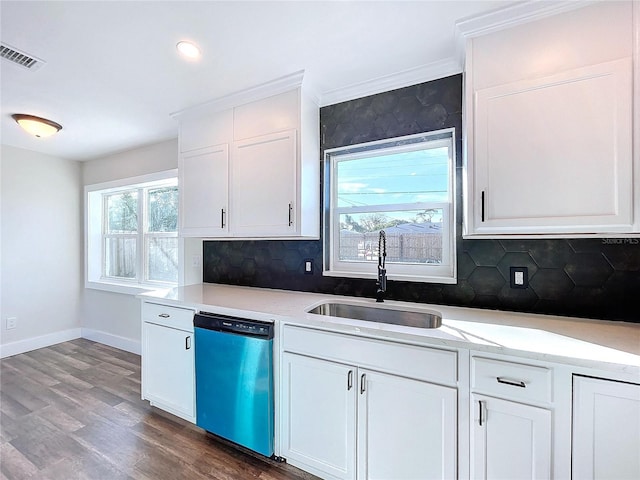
(606, 429)
(346, 422)
(320, 405)
(510, 440)
(511, 420)
(406, 428)
(168, 380)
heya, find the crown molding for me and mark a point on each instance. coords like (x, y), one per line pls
(257, 92)
(405, 78)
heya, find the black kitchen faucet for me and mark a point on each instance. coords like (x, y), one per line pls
(382, 272)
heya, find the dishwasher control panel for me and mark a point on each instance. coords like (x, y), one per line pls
(241, 326)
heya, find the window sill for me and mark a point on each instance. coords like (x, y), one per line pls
(392, 277)
(124, 288)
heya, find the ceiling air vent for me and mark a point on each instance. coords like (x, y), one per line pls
(20, 58)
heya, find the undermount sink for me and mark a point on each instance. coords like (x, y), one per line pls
(395, 316)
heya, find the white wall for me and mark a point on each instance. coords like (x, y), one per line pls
(114, 318)
(41, 249)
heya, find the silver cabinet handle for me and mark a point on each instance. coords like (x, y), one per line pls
(482, 206)
(350, 380)
(222, 212)
(513, 383)
(290, 213)
(187, 342)
(363, 383)
(481, 420)
(164, 315)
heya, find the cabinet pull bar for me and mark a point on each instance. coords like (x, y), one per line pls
(363, 382)
(164, 315)
(350, 380)
(480, 412)
(514, 383)
(482, 206)
(187, 342)
(290, 212)
(222, 218)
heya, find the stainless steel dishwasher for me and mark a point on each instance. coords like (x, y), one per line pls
(234, 379)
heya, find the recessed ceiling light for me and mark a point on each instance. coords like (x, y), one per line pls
(188, 49)
(40, 127)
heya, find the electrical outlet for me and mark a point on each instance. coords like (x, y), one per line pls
(308, 266)
(196, 260)
(519, 277)
(12, 322)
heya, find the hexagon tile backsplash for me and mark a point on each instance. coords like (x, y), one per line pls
(592, 278)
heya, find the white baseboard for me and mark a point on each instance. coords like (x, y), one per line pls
(112, 340)
(22, 346)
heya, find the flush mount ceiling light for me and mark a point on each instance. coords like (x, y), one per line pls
(40, 127)
(189, 50)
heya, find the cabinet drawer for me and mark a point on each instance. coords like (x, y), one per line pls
(511, 380)
(174, 317)
(422, 363)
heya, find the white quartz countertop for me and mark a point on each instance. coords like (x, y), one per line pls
(608, 345)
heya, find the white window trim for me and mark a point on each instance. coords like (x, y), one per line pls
(93, 250)
(445, 273)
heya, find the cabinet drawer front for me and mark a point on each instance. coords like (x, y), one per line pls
(175, 317)
(422, 363)
(511, 380)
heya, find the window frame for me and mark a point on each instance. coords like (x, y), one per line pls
(96, 234)
(414, 272)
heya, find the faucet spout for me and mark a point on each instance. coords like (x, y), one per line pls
(382, 272)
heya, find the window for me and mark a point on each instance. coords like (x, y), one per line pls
(404, 186)
(132, 233)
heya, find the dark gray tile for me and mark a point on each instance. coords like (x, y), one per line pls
(486, 281)
(551, 284)
(484, 253)
(588, 269)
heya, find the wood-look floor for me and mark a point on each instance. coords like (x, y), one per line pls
(73, 411)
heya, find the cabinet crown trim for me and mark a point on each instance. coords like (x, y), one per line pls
(247, 95)
(511, 16)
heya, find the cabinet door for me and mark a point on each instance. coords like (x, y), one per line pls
(319, 424)
(509, 440)
(606, 429)
(554, 154)
(203, 191)
(168, 369)
(263, 185)
(406, 428)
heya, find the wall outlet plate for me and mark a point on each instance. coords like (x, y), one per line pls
(308, 266)
(11, 323)
(518, 277)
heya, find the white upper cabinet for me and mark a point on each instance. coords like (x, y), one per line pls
(204, 191)
(202, 129)
(263, 185)
(549, 126)
(250, 164)
(262, 117)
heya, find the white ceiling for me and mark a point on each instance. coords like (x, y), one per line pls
(112, 75)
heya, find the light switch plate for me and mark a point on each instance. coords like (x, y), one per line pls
(519, 277)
